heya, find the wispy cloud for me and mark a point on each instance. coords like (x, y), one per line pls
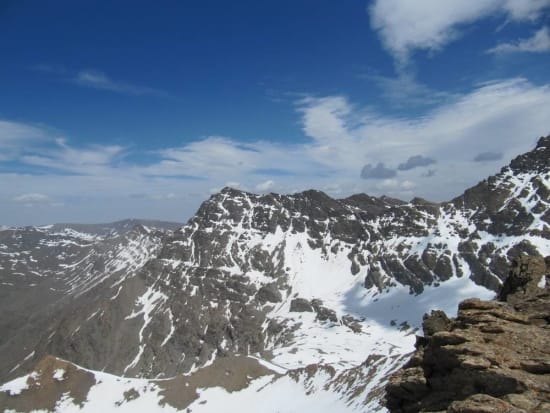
(15, 136)
(265, 186)
(504, 116)
(405, 91)
(538, 43)
(97, 79)
(408, 25)
(34, 199)
(89, 160)
(345, 138)
(217, 156)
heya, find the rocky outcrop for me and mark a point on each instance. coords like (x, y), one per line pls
(493, 357)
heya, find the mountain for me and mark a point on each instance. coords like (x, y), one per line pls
(45, 270)
(302, 295)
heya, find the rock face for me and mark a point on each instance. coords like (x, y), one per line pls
(494, 357)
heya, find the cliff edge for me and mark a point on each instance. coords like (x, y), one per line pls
(493, 357)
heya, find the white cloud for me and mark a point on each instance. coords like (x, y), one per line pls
(217, 157)
(265, 186)
(34, 197)
(405, 91)
(500, 111)
(408, 25)
(538, 43)
(88, 160)
(324, 118)
(96, 79)
(14, 136)
(525, 9)
(233, 184)
(505, 116)
(393, 184)
(164, 197)
(99, 80)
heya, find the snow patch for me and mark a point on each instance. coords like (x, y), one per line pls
(18, 385)
(59, 374)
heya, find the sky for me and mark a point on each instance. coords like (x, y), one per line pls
(140, 109)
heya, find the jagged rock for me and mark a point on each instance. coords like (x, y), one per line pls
(435, 322)
(300, 305)
(410, 386)
(493, 357)
(444, 267)
(269, 293)
(374, 279)
(352, 323)
(482, 403)
(323, 313)
(525, 273)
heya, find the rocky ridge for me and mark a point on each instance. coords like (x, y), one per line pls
(493, 357)
(298, 279)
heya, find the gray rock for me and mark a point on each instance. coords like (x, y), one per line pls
(269, 293)
(300, 305)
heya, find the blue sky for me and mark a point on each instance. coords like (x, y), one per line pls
(111, 110)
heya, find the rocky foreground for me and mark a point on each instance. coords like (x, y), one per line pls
(494, 357)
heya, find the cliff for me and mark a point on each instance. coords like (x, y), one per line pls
(493, 357)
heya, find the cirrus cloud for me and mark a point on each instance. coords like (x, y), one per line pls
(33, 197)
(98, 80)
(15, 136)
(538, 43)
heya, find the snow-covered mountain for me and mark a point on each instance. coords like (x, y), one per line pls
(271, 303)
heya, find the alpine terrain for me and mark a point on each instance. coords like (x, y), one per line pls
(260, 303)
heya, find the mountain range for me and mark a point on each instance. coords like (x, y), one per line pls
(259, 302)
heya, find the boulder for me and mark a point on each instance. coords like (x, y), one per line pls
(269, 293)
(300, 305)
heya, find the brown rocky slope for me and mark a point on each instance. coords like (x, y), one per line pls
(494, 357)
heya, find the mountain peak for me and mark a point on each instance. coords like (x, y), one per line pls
(231, 191)
(535, 161)
(543, 142)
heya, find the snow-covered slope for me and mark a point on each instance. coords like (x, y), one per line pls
(330, 292)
